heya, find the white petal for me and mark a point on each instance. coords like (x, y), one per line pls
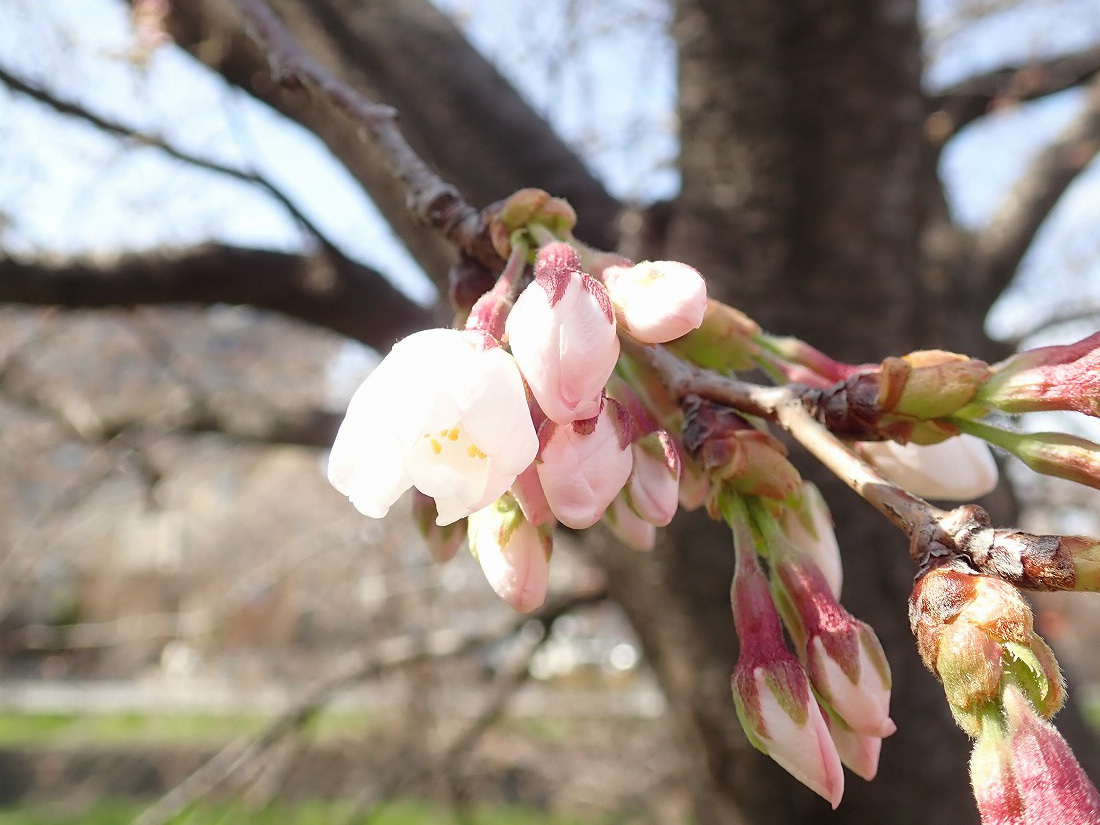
(958, 469)
(493, 408)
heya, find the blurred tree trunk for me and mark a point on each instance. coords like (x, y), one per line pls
(807, 191)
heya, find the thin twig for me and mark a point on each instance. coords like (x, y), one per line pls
(431, 200)
(113, 127)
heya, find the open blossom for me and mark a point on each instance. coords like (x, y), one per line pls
(657, 300)
(513, 553)
(958, 469)
(583, 465)
(445, 412)
(562, 334)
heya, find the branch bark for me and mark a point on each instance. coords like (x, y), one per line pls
(340, 295)
(458, 114)
(113, 127)
(977, 96)
(1002, 244)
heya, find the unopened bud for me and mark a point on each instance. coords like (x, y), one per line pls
(729, 448)
(525, 207)
(770, 689)
(809, 527)
(513, 553)
(1063, 377)
(959, 469)
(929, 383)
(1054, 454)
(1084, 553)
(843, 656)
(628, 527)
(583, 465)
(653, 489)
(443, 540)
(1050, 782)
(976, 634)
(858, 751)
(722, 342)
(657, 301)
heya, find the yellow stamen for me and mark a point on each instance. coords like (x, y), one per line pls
(453, 435)
(437, 448)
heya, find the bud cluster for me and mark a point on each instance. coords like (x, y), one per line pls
(829, 704)
(516, 422)
(976, 634)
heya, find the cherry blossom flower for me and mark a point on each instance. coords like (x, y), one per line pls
(445, 412)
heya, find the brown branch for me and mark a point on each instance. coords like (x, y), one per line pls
(389, 656)
(339, 295)
(1002, 244)
(964, 534)
(431, 200)
(977, 96)
(113, 127)
(458, 113)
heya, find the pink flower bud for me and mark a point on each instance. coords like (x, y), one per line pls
(694, 486)
(771, 691)
(628, 527)
(529, 494)
(994, 782)
(583, 465)
(1055, 790)
(513, 553)
(443, 541)
(858, 751)
(1023, 772)
(843, 656)
(809, 528)
(958, 469)
(445, 411)
(657, 300)
(653, 489)
(562, 334)
(1048, 378)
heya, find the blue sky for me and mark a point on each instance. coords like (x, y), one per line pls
(67, 188)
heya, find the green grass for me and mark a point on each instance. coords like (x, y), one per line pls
(21, 730)
(318, 813)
